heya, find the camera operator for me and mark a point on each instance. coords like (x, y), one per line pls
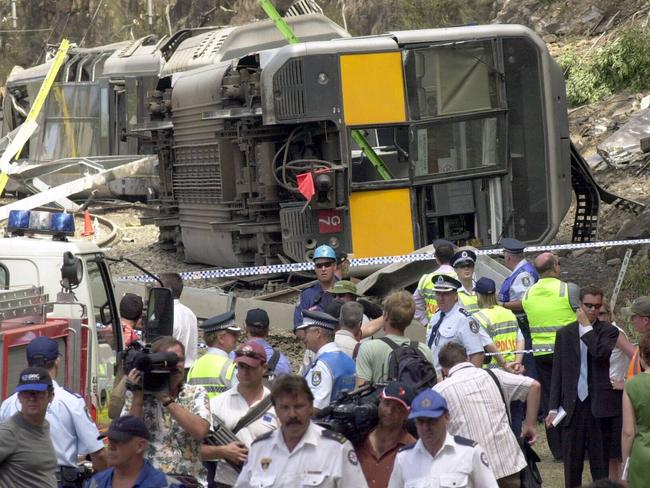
(177, 417)
(378, 451)
(300, 453)
(250, 400)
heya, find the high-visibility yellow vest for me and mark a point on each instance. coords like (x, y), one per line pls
(213, 372)
(468, 302)
(548, 308)
(425, 287)
(502, 326)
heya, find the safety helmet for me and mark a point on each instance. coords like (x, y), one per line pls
(324, 252)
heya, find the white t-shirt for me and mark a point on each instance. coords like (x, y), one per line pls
(186, 330)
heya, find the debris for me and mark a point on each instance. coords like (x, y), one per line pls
(622, 148)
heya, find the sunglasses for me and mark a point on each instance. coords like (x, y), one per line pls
(596, 306)
(464, 265)
(328, 264)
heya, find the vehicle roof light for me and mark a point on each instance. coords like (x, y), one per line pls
(57, 224)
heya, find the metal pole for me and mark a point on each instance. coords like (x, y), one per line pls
(619, 280)
(14, 17)
(150, 11)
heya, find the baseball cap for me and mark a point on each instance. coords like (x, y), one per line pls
(428, 404)
(131, 306)
(251, 353)
(324, 252)
(34, 379)
(42, 348)
(640, 306)
(444, 283)
(399, 392)
(485, 286)
(125, 427)
(342, 287)
(256, 317)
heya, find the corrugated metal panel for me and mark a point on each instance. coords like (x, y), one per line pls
(288, 85)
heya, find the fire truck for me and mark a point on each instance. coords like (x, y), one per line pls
(58, 287)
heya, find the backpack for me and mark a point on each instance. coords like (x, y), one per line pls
(269, 374)
(408, 364)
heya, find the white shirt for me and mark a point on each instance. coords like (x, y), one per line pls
(477, 412)
(72, 430)
(319, 377)
(456, 327)
(522, 282)
(186, 330)
(618, 361)
(323, 461)
(345, 341)
(229, 407)
(454, 465)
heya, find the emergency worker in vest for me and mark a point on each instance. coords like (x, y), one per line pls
(331, 370)
(215, 371)
(523, 275)
(639, 313)
(452, 324)
(463, 262)
(425, 295)
(316, 297)
(72, 430)
(549, 305)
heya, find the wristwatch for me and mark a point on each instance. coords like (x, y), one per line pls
(168, 402)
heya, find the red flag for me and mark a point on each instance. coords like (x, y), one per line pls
(306, 185)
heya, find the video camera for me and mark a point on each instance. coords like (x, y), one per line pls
(353, 414)
(155, 366)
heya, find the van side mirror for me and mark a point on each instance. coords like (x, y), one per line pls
(71, 271)
(160, 314)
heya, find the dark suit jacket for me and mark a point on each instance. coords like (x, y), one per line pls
(566, 369)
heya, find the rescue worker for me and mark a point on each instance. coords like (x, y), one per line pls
(549, 305)
(452, 324)
(523, 275)
(331, 371)
(316, 297)
(215, 371)
(299, 453)
(424, 295)
(72, 430)
(439, 459)
(463, 263)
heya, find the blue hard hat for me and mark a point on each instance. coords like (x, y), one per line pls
(324, 252)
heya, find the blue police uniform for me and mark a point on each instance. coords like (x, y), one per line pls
(283, 366)
(149, 477)
(514, 286)
(313, 298)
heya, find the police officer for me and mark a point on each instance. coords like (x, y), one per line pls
(453, 324)
(549, 305)
(299, 453)
(438, 458)
(71, 428)
(523, 275)
(463, 263)
(331, 371)
(316, 297)
(425, 295)
(215, 371)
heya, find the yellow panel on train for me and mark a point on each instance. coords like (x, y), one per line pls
(382, 223)
(373, 88)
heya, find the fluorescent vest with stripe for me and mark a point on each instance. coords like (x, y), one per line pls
(635, 366)
(343, 371)
(548, 308)
(502, 326)
(468, 302)
(425, 287)
(213, 372)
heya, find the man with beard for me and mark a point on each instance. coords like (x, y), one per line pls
(378, 451)
(300, 453)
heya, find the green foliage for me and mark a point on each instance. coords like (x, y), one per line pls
(424, 14)
(635, 284)
(622, 63)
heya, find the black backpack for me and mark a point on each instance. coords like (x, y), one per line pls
(269, 374)
(408, 364)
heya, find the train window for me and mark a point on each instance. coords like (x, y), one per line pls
(391, 144)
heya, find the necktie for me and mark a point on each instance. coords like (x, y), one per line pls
(583, 386)
(434, 329)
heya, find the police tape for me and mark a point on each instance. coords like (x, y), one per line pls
(214, 273)
(521, 351)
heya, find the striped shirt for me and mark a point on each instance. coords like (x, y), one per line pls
(477, 412)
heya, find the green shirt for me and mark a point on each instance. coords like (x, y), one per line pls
(372, 358)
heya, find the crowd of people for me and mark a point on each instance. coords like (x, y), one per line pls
(456, 410)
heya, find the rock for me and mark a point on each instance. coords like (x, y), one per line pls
(645, 102)
(593, 16)
(550, 38)
(614, 262)
(580, 252)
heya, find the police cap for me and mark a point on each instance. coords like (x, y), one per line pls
(444, 283)
(312, 318)
(224, 321)
(462, 257)
(512, 245)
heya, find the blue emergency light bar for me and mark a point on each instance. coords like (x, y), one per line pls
(58, 224)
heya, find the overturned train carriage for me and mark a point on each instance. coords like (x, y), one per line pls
(261, 156)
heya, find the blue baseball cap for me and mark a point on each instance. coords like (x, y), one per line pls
(324, 252)
(428, 404)
(125, 427)
(485, 286)
(42, 349)
(34, 379)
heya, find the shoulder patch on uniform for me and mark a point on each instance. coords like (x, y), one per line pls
(465, 312)
(484, 459)
(464, 441)
(335, 436)
(525, 281)
(473, 326)
(406, 447)
(263, 437)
